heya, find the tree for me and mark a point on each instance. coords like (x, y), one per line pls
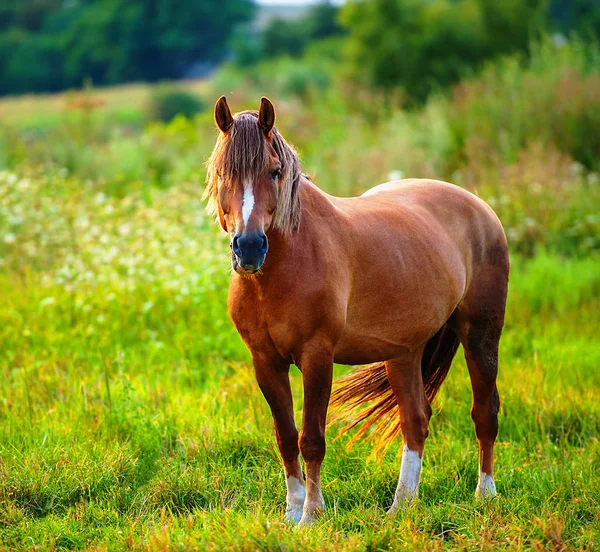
(582, 16)
(50, 44)
(291, 38)
(420, 45)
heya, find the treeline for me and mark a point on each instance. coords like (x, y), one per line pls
(419, 45)
(48, 45)
(432, 44)
(413, 45)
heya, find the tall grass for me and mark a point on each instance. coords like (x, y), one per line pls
(129, 415)
(523, 135)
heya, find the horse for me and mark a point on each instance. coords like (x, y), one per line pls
(393, 280)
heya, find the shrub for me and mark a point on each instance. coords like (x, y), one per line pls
(553, 98)
(167, 101)
(420, 46)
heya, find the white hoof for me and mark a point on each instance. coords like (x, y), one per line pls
(296, 493)
(486, 488)
(311, 513)
(407, 489)
(293, 513)
(306, 521)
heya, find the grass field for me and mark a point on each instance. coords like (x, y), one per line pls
(129, 415)
(130, 418)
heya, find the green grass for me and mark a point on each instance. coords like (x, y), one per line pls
(129, 416)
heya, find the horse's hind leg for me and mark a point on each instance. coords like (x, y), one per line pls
(404, 375)
(480, 318)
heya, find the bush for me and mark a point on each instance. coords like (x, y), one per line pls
(420, 46)
(292, 38)
(168, 101)
(552, 99)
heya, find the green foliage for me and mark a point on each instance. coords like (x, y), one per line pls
(167, 101)
(290, 77)
(424, 45)
(521, 135)
(50, 45)
(283, 37)
(291, 38)
(553, 98)
(580, 15)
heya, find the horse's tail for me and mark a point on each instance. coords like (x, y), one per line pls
(370, 386)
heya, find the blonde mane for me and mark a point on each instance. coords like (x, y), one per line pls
(242, 152)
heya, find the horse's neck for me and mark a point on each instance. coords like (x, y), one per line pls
(314, 201)
(314, 204)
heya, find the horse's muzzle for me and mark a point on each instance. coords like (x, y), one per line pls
(248, 252)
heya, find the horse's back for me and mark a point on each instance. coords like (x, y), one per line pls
(470, 222)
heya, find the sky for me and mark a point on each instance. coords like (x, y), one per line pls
(293, 2)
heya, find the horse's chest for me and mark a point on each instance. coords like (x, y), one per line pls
(284, 321)
(265, 323)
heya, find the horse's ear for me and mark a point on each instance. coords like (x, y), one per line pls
(266, 115)
(223, 116)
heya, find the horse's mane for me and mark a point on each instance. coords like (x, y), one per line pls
(242, 152)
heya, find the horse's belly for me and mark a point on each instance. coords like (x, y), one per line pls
(380, 333)
(360, 349)
(385, 320)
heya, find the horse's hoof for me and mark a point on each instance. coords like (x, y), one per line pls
(401, 501)
(397, 507)
(486, 488)
(293, 514)
(306, 521)
(311, 514)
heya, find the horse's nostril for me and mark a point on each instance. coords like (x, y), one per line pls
(235, 246)
(265, 244)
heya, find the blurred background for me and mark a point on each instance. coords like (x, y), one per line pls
(479, 92)
(127, 412)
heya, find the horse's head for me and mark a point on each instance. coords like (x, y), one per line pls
(252, 182)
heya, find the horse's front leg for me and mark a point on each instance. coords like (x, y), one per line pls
(274, 381)
(316, 364)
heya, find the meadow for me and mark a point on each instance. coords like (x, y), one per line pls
(129, 415)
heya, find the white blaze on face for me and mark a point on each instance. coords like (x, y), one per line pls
(248, 201)
(408, 483)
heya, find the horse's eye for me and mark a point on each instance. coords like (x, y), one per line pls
(276, 174)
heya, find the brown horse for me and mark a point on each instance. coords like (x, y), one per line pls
(396, 277)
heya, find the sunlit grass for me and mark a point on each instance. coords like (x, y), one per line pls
(129, 415)
(125, 102)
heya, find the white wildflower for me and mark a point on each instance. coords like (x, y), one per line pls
(396, 174)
